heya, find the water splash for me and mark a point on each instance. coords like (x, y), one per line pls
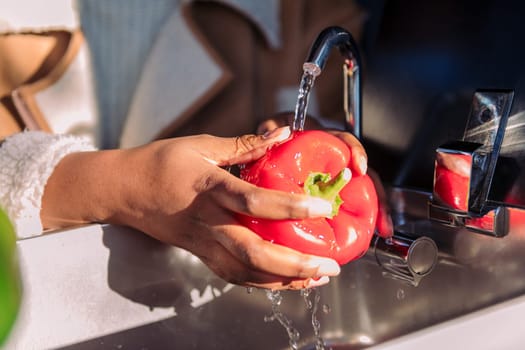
(276, 299)
(400, 294)
(311, 298)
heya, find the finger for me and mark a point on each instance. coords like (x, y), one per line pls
(286, 118)
(384, 225)
(231, 269)
(270, 124)
(242, 197)
(261, 255)
(291, 284)
(359, 161)
(242, 149)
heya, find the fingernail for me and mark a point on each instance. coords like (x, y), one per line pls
(318, 207)
(363, 165)
(317, 282)
(325, 267)
(279, 134)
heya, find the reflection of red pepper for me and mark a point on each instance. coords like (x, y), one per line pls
(450, 185)
(316, 162)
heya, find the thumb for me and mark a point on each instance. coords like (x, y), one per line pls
(246, 148)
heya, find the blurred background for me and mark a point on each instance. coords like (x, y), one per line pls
(424, 61)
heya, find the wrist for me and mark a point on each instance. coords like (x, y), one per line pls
(84, 187)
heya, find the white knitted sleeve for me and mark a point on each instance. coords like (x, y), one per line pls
(27, 160)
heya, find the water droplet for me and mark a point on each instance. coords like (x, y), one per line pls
(269, 318)
(275, 298)
(249, 290)
(326, 308)
(400, 295)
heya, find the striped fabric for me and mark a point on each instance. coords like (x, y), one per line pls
(113, 28)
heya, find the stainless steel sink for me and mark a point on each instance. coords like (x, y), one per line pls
(108, 287)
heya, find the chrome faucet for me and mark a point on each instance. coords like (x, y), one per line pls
(402, 257)
(337, 37)
(465, 174)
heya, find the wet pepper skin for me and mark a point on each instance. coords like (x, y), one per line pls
(347, 234)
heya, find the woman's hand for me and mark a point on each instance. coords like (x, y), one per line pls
(384, 226)
(177, 191)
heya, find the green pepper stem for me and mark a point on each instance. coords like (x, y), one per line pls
(321, 185)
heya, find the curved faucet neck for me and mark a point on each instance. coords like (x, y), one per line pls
(340, 38)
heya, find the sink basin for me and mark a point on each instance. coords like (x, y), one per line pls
(109, 287)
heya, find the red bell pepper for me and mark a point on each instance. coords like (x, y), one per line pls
(316, 162)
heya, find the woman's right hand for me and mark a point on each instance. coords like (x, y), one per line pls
(177, 191)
